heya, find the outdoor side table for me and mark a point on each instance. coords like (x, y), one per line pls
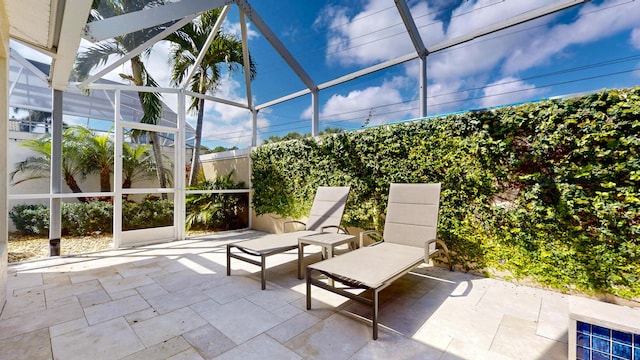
(328, 241)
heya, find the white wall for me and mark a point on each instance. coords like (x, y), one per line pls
(4, 111)
(18, 153)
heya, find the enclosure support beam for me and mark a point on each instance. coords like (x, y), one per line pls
(423, 86)
(205, 47)
(117, 172)
(421, 50)
(179, 201)
(4, 133)
(146, 18)
(137, 51)
(55, 213)
(276, 43)
(245, 58)
(315, 118)
(254, 128)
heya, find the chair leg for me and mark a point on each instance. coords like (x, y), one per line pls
(375, 314)
(228, 259)
(300, 257)
(308, 276)
(262, 272)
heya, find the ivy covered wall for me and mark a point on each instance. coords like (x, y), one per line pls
(547, 191)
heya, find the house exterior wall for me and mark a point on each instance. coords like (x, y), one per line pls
(239, 161)
(4, 111)
(220, 164)
(18, 153)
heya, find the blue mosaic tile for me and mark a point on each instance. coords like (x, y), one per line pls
(596, 355)
(621, 337)
(584, 327)
(622, 351)
(601, 344)
(595, 342)
(583, 340)
(583, 353)
(601, 331)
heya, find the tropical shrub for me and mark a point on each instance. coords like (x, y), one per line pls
(93, 217)
(149, 213)
(547, 191)
(210, 211)
(30, 219)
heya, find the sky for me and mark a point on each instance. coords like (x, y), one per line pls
(583, 49)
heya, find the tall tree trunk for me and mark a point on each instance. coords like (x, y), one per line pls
(136, 68)
(105, 179)
(73, 185)
(105, 182)
(195, 162)
(157, 154)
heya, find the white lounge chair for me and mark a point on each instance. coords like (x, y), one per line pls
(409, 238)
(325, 215)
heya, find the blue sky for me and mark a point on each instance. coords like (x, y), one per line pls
(586, 48)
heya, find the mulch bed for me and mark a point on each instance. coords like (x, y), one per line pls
(31, 247)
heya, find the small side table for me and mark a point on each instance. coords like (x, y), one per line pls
(328, 241)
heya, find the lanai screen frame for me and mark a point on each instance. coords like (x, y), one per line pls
(185, 11)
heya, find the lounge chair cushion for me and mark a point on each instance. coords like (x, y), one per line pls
(412, 214)
(273, 242)
(373, 266)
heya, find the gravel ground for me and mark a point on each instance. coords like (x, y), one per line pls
(30, 247)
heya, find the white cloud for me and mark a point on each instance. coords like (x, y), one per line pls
(508, 90)
(236, 30)
(229, 124)
(449, 71)
(443, 97)
(635, 38)
(372, 106)
(481, 56)
(375, 34)
(595, 22)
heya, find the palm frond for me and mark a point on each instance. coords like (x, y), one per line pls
(97, 55)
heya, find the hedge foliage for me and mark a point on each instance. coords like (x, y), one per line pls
(545, 191)
(93, 217)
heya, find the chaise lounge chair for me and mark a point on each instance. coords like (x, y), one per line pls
(409, 238)
(326, 213)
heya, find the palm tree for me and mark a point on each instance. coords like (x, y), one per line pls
(224, 49)
(120, 45)
(84, 154)
(39, 167)
(137, 164)
(98, 155)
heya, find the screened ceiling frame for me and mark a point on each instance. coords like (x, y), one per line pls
(190, 9)
(64, 41)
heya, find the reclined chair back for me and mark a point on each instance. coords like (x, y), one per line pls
(412, 214)
(328, 208)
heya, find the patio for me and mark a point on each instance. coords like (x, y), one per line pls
(174, 301)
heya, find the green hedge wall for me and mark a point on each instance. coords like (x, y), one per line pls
(545, 191)
(93, 217)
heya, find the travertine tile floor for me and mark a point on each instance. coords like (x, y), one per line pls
(174, 301)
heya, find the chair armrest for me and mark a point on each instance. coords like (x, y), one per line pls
(284, 224)
(442, 250)
(344, 230)
(367, 232)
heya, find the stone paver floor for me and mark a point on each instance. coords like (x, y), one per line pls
(174, 301)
